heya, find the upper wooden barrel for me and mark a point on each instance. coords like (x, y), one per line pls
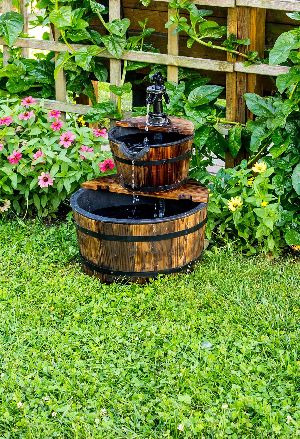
(150, 161)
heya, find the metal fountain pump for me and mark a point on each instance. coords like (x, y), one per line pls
(155, 95)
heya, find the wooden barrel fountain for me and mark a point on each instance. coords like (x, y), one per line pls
(119, 239)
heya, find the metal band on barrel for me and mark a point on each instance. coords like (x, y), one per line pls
(141, 238)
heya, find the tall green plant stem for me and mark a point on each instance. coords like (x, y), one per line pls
(258, 155)
(224, 49)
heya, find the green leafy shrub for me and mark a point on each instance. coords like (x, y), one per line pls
(43, 159)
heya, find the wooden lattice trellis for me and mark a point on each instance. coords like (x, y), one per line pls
(245, 18)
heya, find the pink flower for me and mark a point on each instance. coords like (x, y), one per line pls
(100, 133)
(38, 154)
(6, 120)
(1, 146)
(107, 165)
(56, 125)
(26, 102)
(67, 138)
(45, 179)
(27, 115)
(15, 157)
(85, 148)
(55, 114)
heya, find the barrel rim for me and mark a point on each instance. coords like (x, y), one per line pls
(186, 138)
(76, 208)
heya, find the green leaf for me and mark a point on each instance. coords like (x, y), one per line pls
(61, 60)
(289, 79)
(11, 26)
(36, 201)
(120, 90)
(84, 56)
(278, 150)
(133, 65)
(19, 86)
(204, 94)
(13, 70)
(258, 105)
(114, 44)
(296, 179)
(118, 27)
(235, 140)
(283, 46)
(100, 71)
(292, 237)
(259, 134)
(62, 17)
(294, 15)
(211, 29)
(97, 8)
(78, 35)
(100, 111)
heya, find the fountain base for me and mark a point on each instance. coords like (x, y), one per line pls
(122, 240)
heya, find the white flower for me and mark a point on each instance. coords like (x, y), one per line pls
(224, 406)
(46, 398)
(103, 412)
(289, 419)
(180, 427)
(53, 414)
(20, 405)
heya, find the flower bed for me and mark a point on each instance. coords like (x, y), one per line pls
(43, 158)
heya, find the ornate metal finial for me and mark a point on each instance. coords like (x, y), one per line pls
(155, 95)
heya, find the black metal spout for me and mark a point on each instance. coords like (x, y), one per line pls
(155, 95)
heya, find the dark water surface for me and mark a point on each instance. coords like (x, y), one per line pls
(146, 211)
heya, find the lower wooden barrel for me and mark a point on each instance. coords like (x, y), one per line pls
(121, 240)
(164, 165)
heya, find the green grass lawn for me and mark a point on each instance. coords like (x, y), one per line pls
(211, 354)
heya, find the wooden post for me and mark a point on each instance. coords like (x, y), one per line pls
(115, 64)
(244, 22)
(60, 82)
(6, 7)
(24, 12)
(172, 48)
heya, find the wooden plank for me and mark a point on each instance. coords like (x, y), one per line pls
(115, 66)
(260, 69)
(178, 125)
(149, 57)
(220, 3)
(164, 59)
(172, 48)
(188, 191)
(271, 4)
(64, 106)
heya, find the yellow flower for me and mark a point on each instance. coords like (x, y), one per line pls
(234, 203)
(81, 120)
(259, 167)
(296, 248)
(264, 203)
(250, 181)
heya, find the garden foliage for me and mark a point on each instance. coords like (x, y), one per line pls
(43, 159)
